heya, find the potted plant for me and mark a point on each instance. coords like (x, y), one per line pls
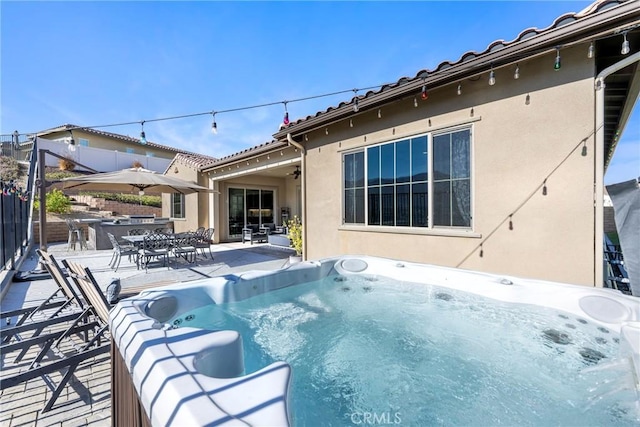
(294, 227)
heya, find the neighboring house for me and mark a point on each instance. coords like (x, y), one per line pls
(494, 162)
(187, 166)
(89, 147)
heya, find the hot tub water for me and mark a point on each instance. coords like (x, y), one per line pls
(422, 355)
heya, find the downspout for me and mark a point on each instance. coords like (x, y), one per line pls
(303, 156)
(598, 226)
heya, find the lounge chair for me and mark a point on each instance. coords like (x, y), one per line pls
(31, 322)
(93, 328)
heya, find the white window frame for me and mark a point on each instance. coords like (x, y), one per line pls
(181, 203)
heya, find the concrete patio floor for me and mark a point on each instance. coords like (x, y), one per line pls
(86, 400)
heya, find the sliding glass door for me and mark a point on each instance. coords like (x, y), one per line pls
(249, 206)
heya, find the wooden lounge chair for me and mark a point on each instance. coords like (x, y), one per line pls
(31, 322)
(93, 327)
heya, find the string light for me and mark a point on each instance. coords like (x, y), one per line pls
(527, 100)
(584, 148)
(355, 101)
(516, 73)
(214, 125)
(492, 77)
(143, 137)
(350, 123)
(527, 199)
(558, 63)
(459, 91)
(379, 113)
(415, 102)
(11, 188)
(424, 95)
(285, 120)
(625, 45)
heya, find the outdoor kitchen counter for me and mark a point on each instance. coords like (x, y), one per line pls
(98, 230)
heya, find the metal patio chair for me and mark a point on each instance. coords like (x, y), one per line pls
(119, 250)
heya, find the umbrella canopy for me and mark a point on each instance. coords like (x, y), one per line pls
(134, 179)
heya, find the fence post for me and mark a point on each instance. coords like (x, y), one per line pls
(42, 185)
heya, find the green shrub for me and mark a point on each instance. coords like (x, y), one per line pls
(155, 201)
(58, 175)
(56, 202)
(295, 234)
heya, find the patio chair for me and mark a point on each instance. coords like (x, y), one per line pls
(184, 246)
(76, 235)
(154, 246)
(94, 343)
(31, 322)
(119, 250)
(138, 232)
(252, 234)
(204, 242)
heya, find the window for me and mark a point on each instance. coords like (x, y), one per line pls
(84, 142)
(177, 205)
(150, 154)
(131, 150)
(423, 182)
(354, 188)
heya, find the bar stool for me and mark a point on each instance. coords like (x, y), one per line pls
(76, 235)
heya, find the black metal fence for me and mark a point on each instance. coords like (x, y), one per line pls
(16, 202)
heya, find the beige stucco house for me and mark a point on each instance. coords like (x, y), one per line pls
(494, 162)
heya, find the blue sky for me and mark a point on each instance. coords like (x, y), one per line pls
(97, 63)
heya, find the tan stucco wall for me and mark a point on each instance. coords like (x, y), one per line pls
(195, 204)
(514, 147)
(113, 144)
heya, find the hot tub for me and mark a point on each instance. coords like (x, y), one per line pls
(363, 340)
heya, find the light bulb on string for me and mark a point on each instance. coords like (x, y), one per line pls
(625, 45)
(415, 102)
(214, 125)
(511, 222)
(424, 95)
(516, 73)
(481, 251)
(459, 91)
(590, 51)
(558, 62)
(492, 78)
(356, 107)
(584, 149)
(285, 120)
(143, 137)
(544, 188)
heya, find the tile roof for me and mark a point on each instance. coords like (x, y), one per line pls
(67, 127)
(249, 152)
(194, 161)
(470, 63)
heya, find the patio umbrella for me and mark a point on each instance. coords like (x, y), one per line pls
(133, 179)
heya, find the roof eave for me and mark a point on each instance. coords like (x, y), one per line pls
(582, 29)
